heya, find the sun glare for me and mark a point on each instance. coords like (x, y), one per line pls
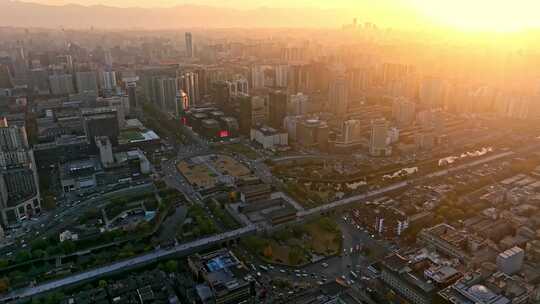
(482, 15)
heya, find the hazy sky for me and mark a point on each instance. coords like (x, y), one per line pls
(493, 15)
(228, 3)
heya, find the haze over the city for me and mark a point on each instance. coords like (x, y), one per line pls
(478, 15)
(270, 151)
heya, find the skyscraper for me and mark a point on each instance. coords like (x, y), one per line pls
(277, 109)
(298, 104)
(131, 88)
(166, 91)
(378, 145)
(19, 190)
(182, 103)
(39, 80)
(221, 94)
(352, 131)
(403, 111)
(189, 45)
(339, 97)
(238, 86)
(101, 122)
(431, 92)
(107, 80)
(66, 61)
(61, 84)
(189, 83)
(5, 77)
(86, 82)
(253, 111)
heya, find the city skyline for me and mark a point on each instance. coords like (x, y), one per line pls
(461, 15)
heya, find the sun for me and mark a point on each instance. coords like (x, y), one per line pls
(482, 15)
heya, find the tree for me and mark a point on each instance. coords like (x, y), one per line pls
(49, 202)
(38, 254)
(68, 247)
(4, 285)
(268, 251)
(127, 251)
(295, 255)
(38, 244)
(23, 256)
(54, 298)
(171, 266)
(102, 284)
(4, 263)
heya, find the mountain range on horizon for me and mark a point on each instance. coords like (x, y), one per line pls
(24, 14)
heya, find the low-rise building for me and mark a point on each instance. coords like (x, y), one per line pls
(272, 211)
(222, 277)
(79, 174)
(446, 240)
(269, 138)
(418, 281)
(251, 193)
(511, 260)
(382, 220)
(492, 289)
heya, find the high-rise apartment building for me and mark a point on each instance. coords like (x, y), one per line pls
(298, 104)
(431, 92)
(403, 111)
(131, 88)
(221, 94)
(378, 145)
(165, 94)
(86, 82)
(238, 86)
(39, 81)
(253, 111)
(352, 132)
(107, 80)
(182, 103)
(61, 84)
(277, 109)
(19, 187)
(339, 97)
(5, 77)
(269, 76)
(189, 83)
